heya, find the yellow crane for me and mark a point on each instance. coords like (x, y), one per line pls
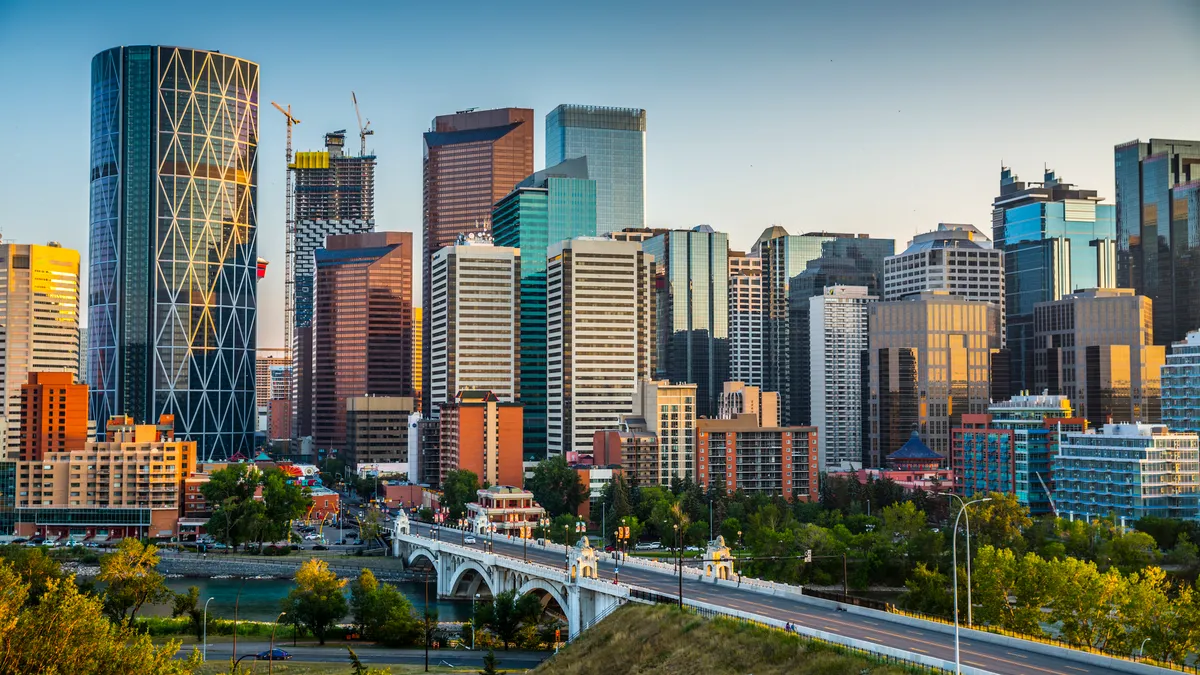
(289, 280)
(363, 130)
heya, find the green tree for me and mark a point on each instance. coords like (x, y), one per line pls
(188, 604)
(562, 530)
(318, 599)
(617, 499)
(902, 521)
(397, 624)
(362, 600)
(1085, 601)
(236, 514)
(489, 663)
(458, 489)
(1134, 551)
(507, 613)
(357, 667)
(928, 591)
(131, 579)
(33, 566)
(283, 501)
(371, 526)
(1000, 522)
(556, 486)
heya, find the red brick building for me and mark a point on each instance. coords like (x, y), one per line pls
(741, 455)
(482, 434)
(54, 415)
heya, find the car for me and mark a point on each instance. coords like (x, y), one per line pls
(351, 535)
(469, 540)
(610, 548)
(295, 547)
(320, 547)
(276, 654)
(647, 546)
(692, 548)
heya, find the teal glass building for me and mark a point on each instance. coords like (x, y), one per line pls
(552, 205)
(614, 141)
(172, 291)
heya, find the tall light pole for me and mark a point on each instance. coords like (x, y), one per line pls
(954, 544)
(271, 653)
(204, 630)
(473, 621)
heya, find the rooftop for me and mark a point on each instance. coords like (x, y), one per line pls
(914, 448)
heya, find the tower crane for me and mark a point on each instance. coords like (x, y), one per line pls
(363, 130)
(289, 281)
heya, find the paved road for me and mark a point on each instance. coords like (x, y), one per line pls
(336, 653)
(984, 655)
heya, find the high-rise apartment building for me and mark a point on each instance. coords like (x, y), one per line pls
(267, 366)
(474, 326)
(739, 398)
(482, 434)
(746, 320)
(418, 355)
(552, 205)
(1056, 239)
(174, 242)
(1158, 214)
(692, 310)
(670, 414)
(377, 430)
(54, 414)
(83, 351)
(614, 142)
(741, 454)
(472, 159)
(39, 324)
(1128, 471)
(362, 326)
(1181, 385)
(838, 339)
(1096, 347)
(600, 337)
(929, 363)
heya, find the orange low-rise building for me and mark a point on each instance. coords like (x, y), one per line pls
(54, 414)
(480, 433)
(739, 454)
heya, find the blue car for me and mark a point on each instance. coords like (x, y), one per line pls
(273, 655)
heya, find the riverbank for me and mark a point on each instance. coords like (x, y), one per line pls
(224, 566)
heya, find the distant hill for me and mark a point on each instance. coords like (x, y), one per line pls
(661, 640)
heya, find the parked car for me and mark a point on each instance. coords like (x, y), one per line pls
(320, 547)
(647, 546)
(468, 540)
(610, 548)
(276, 654)
(691, 548)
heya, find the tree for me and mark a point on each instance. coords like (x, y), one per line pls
(357, 667)
(562, 530)
(132, 579)
(1000, 522)
(1134, 551)
(188, 604)
(556, 486)
(371, 527)
(489, 663)
(34, 567)
(381, 613)
(318, 598)
(928, 592)
(458, 489)
(236, 513)
(902, 521)
(507, 613)
(283, 501)
(362, 600)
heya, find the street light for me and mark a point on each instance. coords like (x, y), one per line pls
(1142, 649)
(473, 621)
(679, 557)
(204, 630)
(954, 544)
(271, 652)
(566, 549)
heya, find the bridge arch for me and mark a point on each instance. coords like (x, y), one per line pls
(421, 553)
(464, 568)
(549, 589)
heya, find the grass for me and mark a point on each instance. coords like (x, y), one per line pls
(661, 640)
(302, 668)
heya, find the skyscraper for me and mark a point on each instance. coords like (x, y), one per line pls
(472, 159)
(362, 326)
(174, 242)
(474, 321)
(745, 319)
(614, 142)
(1158, 214)
(956, 258)
(552, 205)
(1056, 239)
(600, 337)
(1181, 385)
(838, 325)
(692, 310)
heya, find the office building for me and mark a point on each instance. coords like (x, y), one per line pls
(83, 351)
(1096, 347)
(614, 142)
(739, 398)
(929, 363)
(631, 446)
(838, 339)
(172, 307)
(475, 321)
(955, 258)
(739, 454)
(1181, 385)
(1010, 448)
(362, 326)
(746, 318)
(39, 324)
(54, 414)
(692, 310)
(377, 430)
(670, 414)
(266, 362)
(1056, 239)
(553, 205)
(472, 159)
(600, 337)
(1128, 471)
(1158, 214)
(482, 434)
(418, 355)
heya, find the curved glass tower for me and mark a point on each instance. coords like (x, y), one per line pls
(172, 296)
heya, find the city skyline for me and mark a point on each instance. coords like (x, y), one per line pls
(916, 88)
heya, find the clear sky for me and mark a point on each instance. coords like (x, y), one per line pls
(876, 117)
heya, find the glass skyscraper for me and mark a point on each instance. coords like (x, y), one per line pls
(552, 205)
(692, 298)
(1056, 239)
(174, 247)
(614, 142)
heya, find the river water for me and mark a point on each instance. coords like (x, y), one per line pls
(261, 597)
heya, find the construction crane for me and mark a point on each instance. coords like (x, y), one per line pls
(289, 279)
(363, 130)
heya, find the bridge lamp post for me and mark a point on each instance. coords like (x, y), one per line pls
(954, 544)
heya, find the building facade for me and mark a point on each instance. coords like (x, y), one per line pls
(838, 339)
(633, 447)
(1158, 212)
(54, 415)
(1181, 385)
(954, 258)
(172, 289)
(482, 434)
(377, 430)
(600, 337)
(39, 325)
(739, 454)
(553, 205)
(362, 326)
(746, 319)
(739, 398)
(614, 142)
(418, 355)
(670, 414)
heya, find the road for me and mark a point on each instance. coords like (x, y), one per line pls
(984, 655)
(382, 656)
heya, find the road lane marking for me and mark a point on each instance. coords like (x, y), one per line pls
(1019, 656)
(1082, 670)
(918, 649)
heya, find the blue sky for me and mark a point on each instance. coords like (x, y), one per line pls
(850, 116)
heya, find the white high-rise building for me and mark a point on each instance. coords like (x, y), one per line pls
(670, 412)
(745, 319)
(954, 258)
(600, 337)
(474, 320)
(838, 339)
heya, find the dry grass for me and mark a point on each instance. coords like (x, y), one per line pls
(661, 640)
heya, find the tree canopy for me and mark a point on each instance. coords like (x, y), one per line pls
(458, 490)
(318, 602)
(132, 579)
(557, 487)
(240, 517)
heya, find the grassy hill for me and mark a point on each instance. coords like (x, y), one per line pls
(661, 640)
